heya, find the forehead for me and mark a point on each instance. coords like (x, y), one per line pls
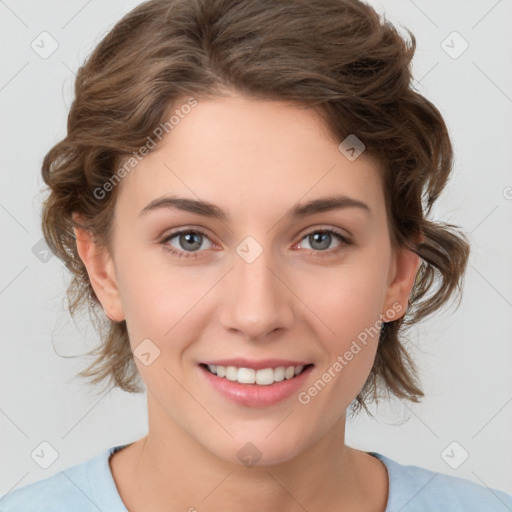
(250, 156)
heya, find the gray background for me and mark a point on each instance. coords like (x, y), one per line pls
(465, 356)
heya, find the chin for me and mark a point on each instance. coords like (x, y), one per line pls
(255, 450)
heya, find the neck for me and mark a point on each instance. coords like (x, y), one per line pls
(169, 470)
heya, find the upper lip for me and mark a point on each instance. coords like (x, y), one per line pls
(256, 364)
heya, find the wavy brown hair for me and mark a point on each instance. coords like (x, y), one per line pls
(338, 57)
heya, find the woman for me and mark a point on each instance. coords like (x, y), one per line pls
(244, 189)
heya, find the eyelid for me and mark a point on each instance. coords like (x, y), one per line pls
(186, 229)
(326, 227)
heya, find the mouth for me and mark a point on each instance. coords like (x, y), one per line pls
(265, 376)
(256, 384)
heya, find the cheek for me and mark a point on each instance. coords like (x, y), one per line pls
(349, 299)
(350, 308)
(349, 303)
(160, 301)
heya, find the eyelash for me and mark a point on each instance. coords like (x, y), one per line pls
(344, 242)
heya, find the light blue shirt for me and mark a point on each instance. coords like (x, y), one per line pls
(90, 487)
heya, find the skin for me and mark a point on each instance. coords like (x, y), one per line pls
(255, 159)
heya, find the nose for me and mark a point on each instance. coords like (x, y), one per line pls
(258, 302)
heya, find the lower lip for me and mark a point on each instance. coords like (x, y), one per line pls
(255, 395)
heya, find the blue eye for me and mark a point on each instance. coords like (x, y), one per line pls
(190, 242)
(320, 239)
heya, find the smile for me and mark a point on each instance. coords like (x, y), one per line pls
(261, 377)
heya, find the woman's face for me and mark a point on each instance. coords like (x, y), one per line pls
(266, 280)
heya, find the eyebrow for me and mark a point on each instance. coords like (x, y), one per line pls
(336, 202)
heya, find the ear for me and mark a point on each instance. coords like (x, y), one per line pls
(402, 276)
(101, 271)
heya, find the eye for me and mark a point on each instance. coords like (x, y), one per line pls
(320, 240)
(190, 241)
(187, 243)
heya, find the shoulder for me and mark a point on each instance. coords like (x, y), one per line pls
(416, 489)
(85, 487)
(66, 489)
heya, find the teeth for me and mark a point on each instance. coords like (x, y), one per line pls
(246, 375)
(263, 377)
(231, 373)
(279, 373)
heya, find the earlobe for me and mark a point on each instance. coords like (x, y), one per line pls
(101, 271)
